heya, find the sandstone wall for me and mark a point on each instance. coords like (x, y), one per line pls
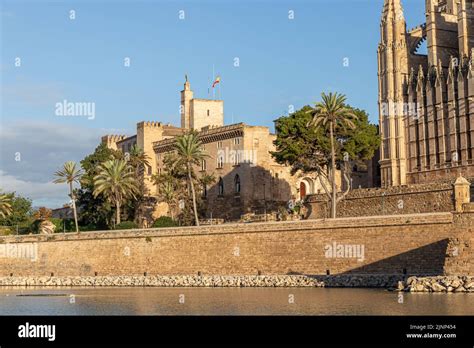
(411, 199)
(415, 244)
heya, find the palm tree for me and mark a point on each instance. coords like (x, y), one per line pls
(190, 152)
(138, 159)
(69, 174)
(332, 113)
(167, 190)
(5, 205)
(116, 181)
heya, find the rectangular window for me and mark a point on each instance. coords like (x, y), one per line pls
(208, 113)
(219, 144)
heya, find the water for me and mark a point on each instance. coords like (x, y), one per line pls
(228, 301)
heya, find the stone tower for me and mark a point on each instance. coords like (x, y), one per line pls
(200, 113)
(426, 104)
(392, 72)
(185, 109)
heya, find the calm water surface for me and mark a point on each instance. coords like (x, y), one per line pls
(225, 301)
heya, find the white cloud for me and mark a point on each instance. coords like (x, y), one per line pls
(48, 193)
(42, 147)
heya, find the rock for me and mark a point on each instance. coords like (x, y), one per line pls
(437, 287)
(455, 283)
(469, 284)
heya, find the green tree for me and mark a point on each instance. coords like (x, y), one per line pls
(168, 190)
(303, 148)
(21, 211)
(96, 212)
(116, 182)
(70, 174)
(5, 205)
(190, 153)
(139, 161)
(329, 114)
(308, 148)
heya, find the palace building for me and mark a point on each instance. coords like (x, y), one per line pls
(248, 180)
(426, 101)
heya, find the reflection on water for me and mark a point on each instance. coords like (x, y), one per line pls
(228, 301)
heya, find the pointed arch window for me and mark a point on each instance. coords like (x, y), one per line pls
(221, 187)
(237, 186)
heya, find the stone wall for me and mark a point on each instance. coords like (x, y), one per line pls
(395, 200)
(422, 244)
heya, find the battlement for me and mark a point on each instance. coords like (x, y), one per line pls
(149, 124)
(112, 138)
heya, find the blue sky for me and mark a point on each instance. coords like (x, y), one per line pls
(283, 62)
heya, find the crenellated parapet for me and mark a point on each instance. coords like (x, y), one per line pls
(110, 140)
(149, 124)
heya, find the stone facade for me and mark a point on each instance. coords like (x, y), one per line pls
(248, 179)
(426, 102)
(419, 244)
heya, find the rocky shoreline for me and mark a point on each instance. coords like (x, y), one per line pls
(391, 282)
(437, 284)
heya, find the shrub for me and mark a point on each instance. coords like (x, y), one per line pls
(58, 223)
(34, 228)
(164, 221)
(126, 225)
(5, 231)
(89, 227)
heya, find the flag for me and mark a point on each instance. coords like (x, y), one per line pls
(216, 81)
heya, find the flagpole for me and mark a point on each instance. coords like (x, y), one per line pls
(213, 79)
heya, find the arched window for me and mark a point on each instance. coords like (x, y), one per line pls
(237, 183)
(221, 187)
(220, 161)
